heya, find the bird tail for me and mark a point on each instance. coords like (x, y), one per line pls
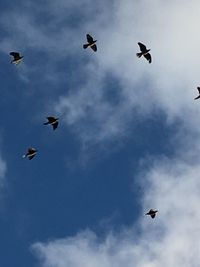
(139, 54)
(85, 46)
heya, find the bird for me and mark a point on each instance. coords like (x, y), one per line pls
(17, 58)
(198, 88)
(31, 153)
(152, 213)
(53, 121)
(144, 52)
(90, 43)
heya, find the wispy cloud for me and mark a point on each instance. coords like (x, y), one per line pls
(55, 33)
(168, 86)
(171, 239)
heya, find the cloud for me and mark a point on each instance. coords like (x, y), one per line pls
(47, 27)
(168, 85)
(171, 239)
(170, 80)
(88, 111)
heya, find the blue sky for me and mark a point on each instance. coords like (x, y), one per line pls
(126, 142)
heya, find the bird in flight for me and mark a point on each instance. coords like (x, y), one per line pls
(198, 88)
(53, 121)
(90, 43)
(144, 52)
(31, 153)
(152, 213)
(17, 58)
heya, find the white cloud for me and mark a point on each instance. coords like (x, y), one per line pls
(168, 84)
(171, 239)
(88, 111)
(170, 185)
(170, 30)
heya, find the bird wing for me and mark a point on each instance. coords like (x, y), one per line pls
(198, 88)
(51, 119)
(142, 47)
(55, 125)
(94, 47)
(153, 216)
(31, 150)
(197, 97)
(85, 46)
(148, 57)
(30, 157)
(15, 54)
(89, 38)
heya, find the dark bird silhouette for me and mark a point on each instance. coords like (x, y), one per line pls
(31, 153)
(198, 88)
(144, 52)
(90, 43)
(152, 213)
(53, 121)
(17, 58)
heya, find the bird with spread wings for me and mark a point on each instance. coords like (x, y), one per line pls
(31, 153)
(144, 52)
(17, 58)
(53, 121)
(90, 43)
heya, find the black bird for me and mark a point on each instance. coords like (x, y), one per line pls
(31, 153)
(152, 213)
(198, 88)
(53, 121)
(17, 58)
(144, 52)
(90, 43)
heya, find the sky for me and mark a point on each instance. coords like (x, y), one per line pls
(127, 139)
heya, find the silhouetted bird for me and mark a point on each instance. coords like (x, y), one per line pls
(53, 121)
(198, 88)
(152, 213)
(31, 153)
(16, 57)
(144, 52)
(90, 43)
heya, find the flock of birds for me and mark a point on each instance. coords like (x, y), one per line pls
(53, 121)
